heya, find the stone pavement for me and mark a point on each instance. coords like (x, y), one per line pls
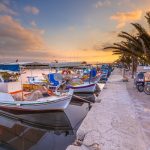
(141, 103)
(112, 124)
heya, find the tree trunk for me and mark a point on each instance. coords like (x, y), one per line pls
(134, 65)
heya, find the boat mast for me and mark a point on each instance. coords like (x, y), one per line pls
(21, 82)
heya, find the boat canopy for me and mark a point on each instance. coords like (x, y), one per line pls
(10, 67)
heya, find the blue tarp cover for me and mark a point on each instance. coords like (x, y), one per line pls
(10, 67)
(93, 72)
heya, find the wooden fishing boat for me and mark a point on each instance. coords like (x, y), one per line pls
(43, 104)
(95, 79)
(76, 84)
(80, 86)
(14, 99)
(83, 88)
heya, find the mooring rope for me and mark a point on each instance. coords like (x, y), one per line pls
(80, 141)
(78, 97)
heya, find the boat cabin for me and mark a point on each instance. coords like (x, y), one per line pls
(9, 78)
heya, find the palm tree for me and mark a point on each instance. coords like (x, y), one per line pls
(128, 52)
(134, 48)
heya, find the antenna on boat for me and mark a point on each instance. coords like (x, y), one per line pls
(49, 67)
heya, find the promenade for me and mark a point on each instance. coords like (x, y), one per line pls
(112, 124)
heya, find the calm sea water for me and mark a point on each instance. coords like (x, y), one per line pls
(45, 131)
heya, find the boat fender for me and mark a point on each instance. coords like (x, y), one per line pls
(66, 72)
(50, 92)
(18, 104)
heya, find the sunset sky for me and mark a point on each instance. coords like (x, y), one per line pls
(66, 30)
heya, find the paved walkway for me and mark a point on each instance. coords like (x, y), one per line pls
(112, 124)
(141, 103)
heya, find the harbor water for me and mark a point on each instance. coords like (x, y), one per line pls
(45, 131)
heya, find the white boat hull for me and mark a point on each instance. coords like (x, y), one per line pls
(86, 88)
(55, 103)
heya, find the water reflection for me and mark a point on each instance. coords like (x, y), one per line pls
(49, 131)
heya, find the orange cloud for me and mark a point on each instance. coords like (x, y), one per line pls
(33, 23)
(31, 9)
(124, 17)
(16, 40)
(6, 9)
(86, 55)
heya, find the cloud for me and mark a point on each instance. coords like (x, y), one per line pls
(124, 2)
(101, 45)
(124, 17)
(33, 23)
(7, 2)
(16, 40)
(85, 49)
(100, 4)
(5, 9)
(31, 9)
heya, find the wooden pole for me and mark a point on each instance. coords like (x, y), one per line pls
(21, 83)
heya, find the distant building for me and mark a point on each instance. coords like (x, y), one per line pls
(65, 64)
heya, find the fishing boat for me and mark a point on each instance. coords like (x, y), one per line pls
(95, 79)
(87, 83)
(49, 103)
(76, 84)
(83, 88)
(14, 99)
(35, 80)
(79, 85)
